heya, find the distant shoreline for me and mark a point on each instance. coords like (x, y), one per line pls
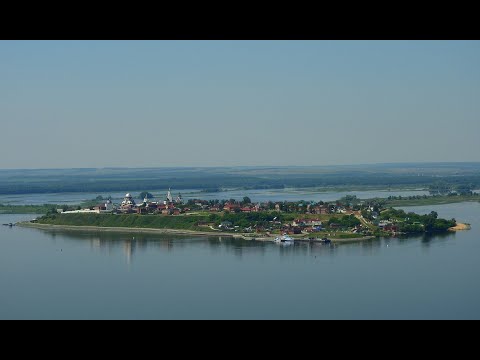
(168, 231)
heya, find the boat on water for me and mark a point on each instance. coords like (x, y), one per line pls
(284, 239)
(11, 224)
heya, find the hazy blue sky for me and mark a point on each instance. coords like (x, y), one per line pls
(208, 103)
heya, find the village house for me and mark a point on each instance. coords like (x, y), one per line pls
(307, 222)
(230, 207)
(319, 210)
(226, 225)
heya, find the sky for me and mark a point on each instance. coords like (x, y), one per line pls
(69, 104)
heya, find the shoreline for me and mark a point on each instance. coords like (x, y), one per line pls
(170, 232)
(460, 227)
(123, 229)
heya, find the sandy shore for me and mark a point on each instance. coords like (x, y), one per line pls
(460, 227)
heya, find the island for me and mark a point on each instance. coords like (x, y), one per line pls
(348, 219)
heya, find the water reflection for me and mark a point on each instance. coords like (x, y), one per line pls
(217, 277)
(131, 244)
(427, 239)
(128, 248)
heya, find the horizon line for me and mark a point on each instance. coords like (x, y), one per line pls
(242, 166)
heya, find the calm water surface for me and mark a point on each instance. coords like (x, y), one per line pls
(79, 275)
(255, 195)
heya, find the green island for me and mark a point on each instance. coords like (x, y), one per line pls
(347, 219)
(418, 200)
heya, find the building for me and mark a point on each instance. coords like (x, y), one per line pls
(128, 201)
(230, 207)
(227, 225)
(322, 209)
(99, 209)
(179, 199)
(169, 198)
(103, 208)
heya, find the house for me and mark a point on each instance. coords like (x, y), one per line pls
(230, 207)
(294, 230)
(319, 210)
(313, 222)
(384, 223)
(298, 222)
(100, 207)
(225, 225)
(391, 228)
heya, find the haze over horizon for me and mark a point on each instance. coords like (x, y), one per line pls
(137, 104)
(362, 165)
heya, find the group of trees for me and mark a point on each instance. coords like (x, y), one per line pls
(411, 222)
(145, 195)
(447, 188)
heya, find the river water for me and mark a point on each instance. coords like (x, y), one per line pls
(308, 194)
(93, 275)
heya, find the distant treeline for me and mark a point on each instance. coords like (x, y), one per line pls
(214, 179)
(27, 209)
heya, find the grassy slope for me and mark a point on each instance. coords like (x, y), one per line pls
(131, 221)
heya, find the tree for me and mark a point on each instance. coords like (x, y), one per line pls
(246, 200)
(52, 211)
(144, 195)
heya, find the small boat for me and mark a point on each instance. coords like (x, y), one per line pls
(285, 239)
